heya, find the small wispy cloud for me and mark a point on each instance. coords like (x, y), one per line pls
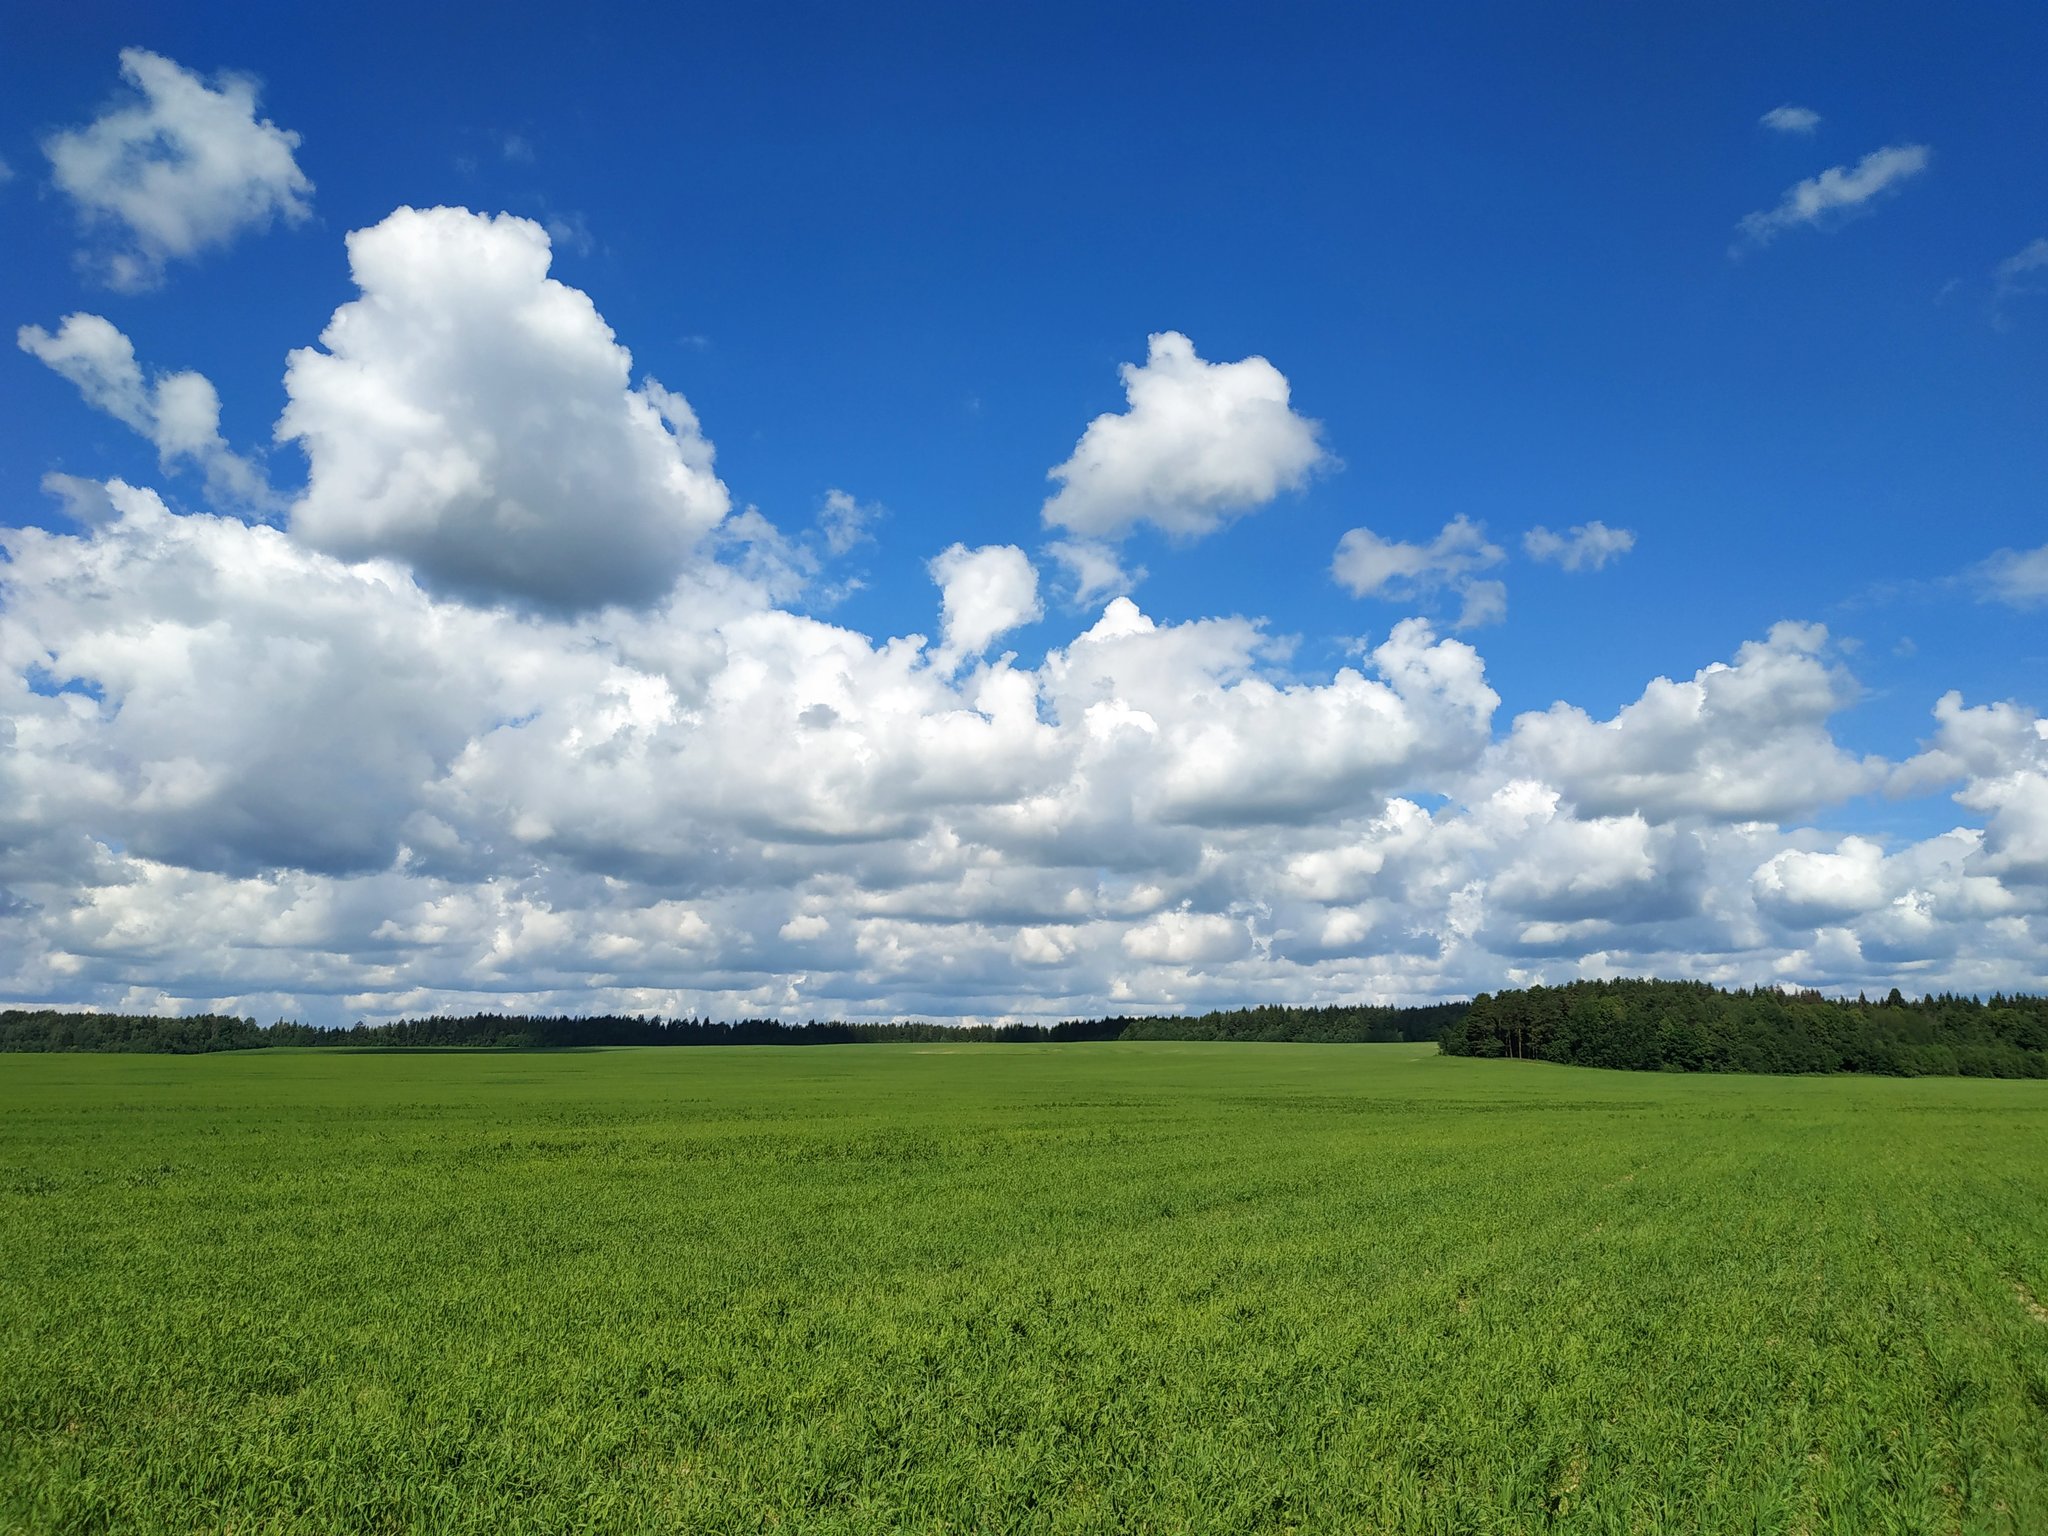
(844, 521)
(2016, 577)
(1583, 547)
(1367, 565)
(179, 413)
(2022, 273)
(571, 231)
(1095, 572)
(1790, 119)
(1839, 189)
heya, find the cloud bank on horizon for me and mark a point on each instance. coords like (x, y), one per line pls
(508, 706)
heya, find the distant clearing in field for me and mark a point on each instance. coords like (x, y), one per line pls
(1118, 1287)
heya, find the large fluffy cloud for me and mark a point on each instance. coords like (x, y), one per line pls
(1741, 742)
(2000, 751)
(452, 799)
(240, 770)
(237, 770)
(476, 419)
(176, 169)
(1200, 443)
(247, 702)
(442, 743)
(1814, 885)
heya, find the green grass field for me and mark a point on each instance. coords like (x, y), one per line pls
(1130, 1287)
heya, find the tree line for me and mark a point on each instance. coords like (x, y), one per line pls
(45, 1030)
(1636, 1025)
(1689, 1026)
(52, 1030)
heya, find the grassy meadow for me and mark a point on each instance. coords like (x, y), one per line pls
(1084, 1288)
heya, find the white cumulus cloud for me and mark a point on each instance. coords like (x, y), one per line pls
(257, 703)
(475, 418)
(264, 769)
(1741, 742)
(1187, 938)
(2000, 751)
(1200, 444)
(177, 169)
(983, 593)
(1824, 887)
(238, 770)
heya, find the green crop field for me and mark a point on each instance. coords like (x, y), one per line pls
(1101, 1288)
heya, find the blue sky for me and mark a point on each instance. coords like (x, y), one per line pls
(1509, 269)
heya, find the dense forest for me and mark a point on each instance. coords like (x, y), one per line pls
(41, 1030)
(1639, 1025)
(1332, 1025)
(1687, 1026)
